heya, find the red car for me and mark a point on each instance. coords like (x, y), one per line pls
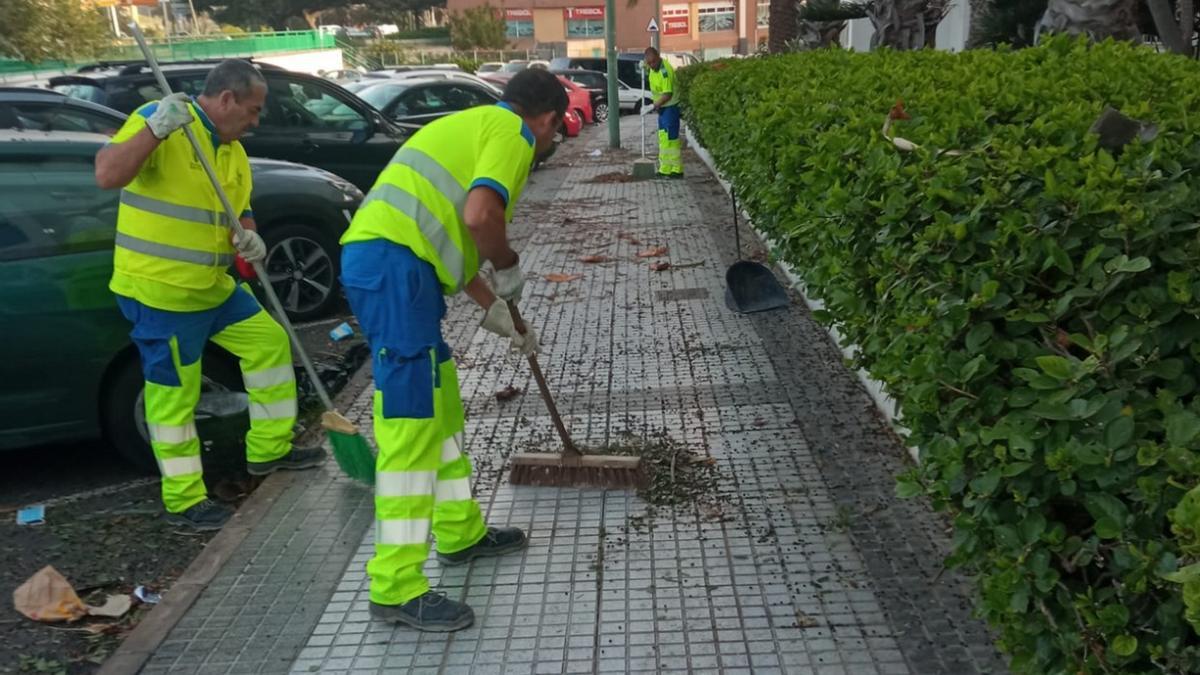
(579, 100)
(577, 110)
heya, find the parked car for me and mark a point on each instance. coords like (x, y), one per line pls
(301, 211)
(629, 66)
(342, 77)
(489, 67)
(307, 119)
(514, 66)
(579, 100)
(413, 103)
(72, 372)
(445, 74)
(572, 124)
(596, 84)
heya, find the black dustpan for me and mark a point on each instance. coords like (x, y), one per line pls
(749, 286)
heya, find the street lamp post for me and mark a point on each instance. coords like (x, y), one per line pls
(610, 44)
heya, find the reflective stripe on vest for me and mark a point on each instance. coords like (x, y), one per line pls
(431, 227)
(177, 211)
(168, 252)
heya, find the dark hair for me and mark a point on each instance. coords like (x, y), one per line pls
(534, 92)
(651, 50)
(233, 75)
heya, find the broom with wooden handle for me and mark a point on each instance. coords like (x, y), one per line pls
(570, 468)
(351, 450)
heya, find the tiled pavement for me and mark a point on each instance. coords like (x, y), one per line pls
(801, 562)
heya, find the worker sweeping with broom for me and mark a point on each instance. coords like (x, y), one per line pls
(170, 275)
(436, 213)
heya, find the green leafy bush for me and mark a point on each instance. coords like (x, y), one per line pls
(1032, 301)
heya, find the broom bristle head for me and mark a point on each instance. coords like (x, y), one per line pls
(353, 455)
(626, 474)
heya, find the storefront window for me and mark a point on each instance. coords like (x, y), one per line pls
(717, 17)
(585, 28)
(521, 28)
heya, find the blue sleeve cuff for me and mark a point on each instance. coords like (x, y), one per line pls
(494, 185)
(247, 214)
(148, 109)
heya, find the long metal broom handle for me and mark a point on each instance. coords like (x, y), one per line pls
(568, 444)
(236, 225)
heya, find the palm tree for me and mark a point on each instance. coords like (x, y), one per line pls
(782, 26)
(1097, 19)
(906, 24)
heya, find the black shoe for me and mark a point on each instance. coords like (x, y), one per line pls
(432, 612)
(299, 458)
(203, 517)
(497, 541)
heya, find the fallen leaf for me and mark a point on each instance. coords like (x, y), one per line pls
(557, 277)
(653, 252)
(594, 259)
(660, 266)
(760, 422)
(804, 621)
(508, 393)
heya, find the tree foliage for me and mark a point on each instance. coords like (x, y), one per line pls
(478, 28)
(37, 30)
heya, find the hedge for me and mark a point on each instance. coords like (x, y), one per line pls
(1030, 299)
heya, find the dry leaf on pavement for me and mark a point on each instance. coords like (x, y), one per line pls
(594, 259)
(508, 393)
(557, 277)
(653, 252)
(660, 266)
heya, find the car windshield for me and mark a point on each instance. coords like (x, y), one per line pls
(514, 67)
(85, 92)
(381, 95)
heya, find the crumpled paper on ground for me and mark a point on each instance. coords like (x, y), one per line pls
(48, 597)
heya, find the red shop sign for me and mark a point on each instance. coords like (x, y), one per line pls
(520, 13)
(583, 12)
(676, 25)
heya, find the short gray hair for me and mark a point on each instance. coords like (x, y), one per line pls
(233, 75)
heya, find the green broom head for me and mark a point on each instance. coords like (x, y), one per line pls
(350, 449)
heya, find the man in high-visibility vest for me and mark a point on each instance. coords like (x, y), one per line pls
(663, 90)
(171, 276)
(437, 211)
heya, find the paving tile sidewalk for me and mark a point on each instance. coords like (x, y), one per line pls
(802, 560)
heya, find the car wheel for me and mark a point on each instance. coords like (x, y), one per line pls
(123, 411)
(302, 265)
(600, 112)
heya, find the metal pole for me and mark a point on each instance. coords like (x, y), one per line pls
(658, 20)
(643, 117)
(610, 44)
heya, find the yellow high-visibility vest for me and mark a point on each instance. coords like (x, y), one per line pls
(418, 199)
(173, 245)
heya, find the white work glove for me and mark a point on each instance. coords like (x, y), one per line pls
(172, 113)
(250, 246)
(499, 320)
(508, 283)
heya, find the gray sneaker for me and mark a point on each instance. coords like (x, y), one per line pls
(300, 457)
(203, 517)
(497, 541)
(432, 612)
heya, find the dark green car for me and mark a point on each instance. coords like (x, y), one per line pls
(70, 371)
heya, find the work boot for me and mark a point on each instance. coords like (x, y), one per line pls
(203, 517)
(432, 612)
(497, 541)
(300, 457)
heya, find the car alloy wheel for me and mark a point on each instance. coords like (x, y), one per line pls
(600, 112)
(302, 273)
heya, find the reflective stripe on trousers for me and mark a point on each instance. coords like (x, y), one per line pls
(670, 154)
(431, 228)
(261, 345)
(422, 483)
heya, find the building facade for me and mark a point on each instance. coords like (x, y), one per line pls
(707, 28)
